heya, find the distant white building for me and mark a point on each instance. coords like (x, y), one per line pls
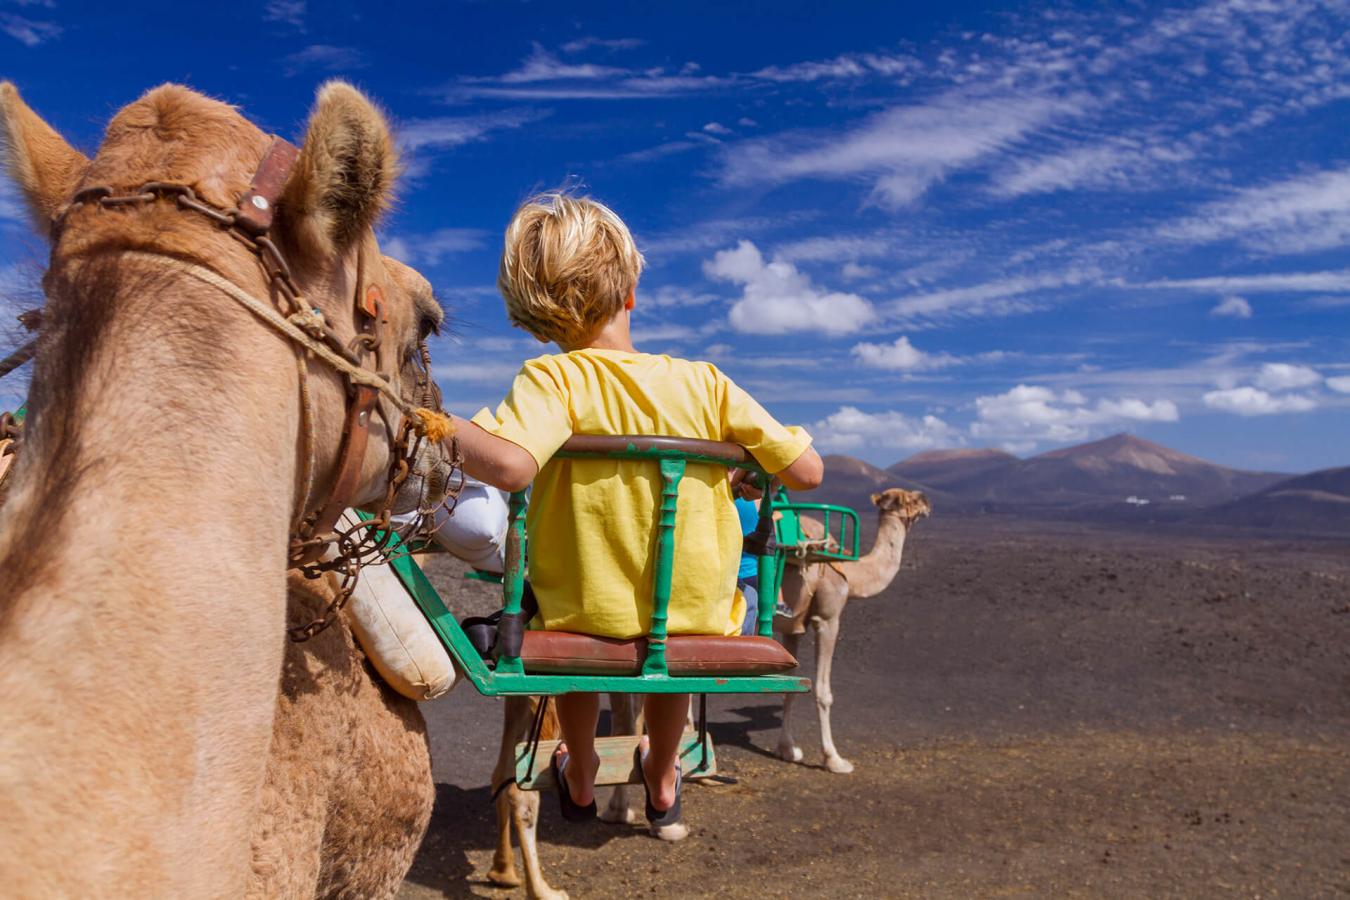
(1178, 498)
(1137, 501)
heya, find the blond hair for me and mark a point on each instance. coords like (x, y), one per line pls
(568, 265)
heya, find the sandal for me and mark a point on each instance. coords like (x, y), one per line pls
(661, 818)
(570, 810)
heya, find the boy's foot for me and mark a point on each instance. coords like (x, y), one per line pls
(783, 610)
(572, 785)
(663, 792)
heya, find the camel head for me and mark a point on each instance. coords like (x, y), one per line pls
(908, 505)
(106, 309)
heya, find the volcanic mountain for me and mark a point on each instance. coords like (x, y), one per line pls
(1120, 471)
(940, 468)
(1316, 503)
(852, 482)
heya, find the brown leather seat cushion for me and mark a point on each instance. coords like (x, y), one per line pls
(566, 652)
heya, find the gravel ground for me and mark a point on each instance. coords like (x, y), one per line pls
(1066, 712)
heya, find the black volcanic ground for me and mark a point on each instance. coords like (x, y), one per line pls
(1033, 709)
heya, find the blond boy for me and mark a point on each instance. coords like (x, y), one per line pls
(569, 274)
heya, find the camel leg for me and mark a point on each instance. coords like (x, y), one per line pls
(525, 815)
(787, 747)
(515, 721)
(624, 711)
(517, 807)
(827, 635)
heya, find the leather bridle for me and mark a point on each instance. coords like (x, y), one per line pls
(318, 543)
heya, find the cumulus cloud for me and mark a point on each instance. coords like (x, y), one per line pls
(849, 428)
(1232, 306)
(901, 355)
(777, 298)
(1286, 376)
(1340, 384)
(716, 128)
(1031, 413)
(1252, 401)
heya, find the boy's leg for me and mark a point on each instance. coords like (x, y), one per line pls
(578, 714)
(666, 714)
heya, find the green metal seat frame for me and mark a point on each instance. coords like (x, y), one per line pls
(671, 457)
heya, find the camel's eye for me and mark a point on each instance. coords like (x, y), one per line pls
(427, 326)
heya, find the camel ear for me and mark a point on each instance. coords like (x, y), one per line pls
(45, 168)
(344, 178)
(876, 499)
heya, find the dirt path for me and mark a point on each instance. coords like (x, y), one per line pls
(1029, 714)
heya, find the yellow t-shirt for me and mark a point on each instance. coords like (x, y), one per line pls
(592, 522)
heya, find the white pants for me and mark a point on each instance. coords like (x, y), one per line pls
(476, 533)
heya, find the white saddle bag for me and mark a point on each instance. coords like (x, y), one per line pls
(397, 637)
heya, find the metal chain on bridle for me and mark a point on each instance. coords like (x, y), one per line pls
(323, 540)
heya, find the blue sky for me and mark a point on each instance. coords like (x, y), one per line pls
(906, 227)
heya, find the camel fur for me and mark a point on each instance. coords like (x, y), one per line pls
(158, 734)
(818, 593)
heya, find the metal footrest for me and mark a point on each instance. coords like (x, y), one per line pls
(618, 761)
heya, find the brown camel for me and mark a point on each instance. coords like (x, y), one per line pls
(818, 593)
(146, 745)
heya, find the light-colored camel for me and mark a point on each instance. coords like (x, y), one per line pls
(146, 745)
(818, 593)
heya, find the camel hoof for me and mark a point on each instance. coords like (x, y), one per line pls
(619, 815)
(549, 894)
(508, 878)
(791, 754)
(669, 833)
(838, 765)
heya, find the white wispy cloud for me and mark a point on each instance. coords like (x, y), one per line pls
(777, 298)
(833, 249)
(849, 428)
(541, 65)
(29, 32)
(1232, 306)
(543, 75)
(421, 138)
(1296, 215)
(586, 43)
(998, 297)
(902, 151)
(325, 57)
(1253, 401)
(1340, 384)
(1032, 413)
(844, 66)
(1278, 282)
(430, 249)
(288, 12)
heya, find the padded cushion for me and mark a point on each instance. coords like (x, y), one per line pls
(565, 652)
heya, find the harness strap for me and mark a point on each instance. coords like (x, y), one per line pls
(265, 311)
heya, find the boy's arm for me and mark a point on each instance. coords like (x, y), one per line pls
(494, 460)
(805, 473)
